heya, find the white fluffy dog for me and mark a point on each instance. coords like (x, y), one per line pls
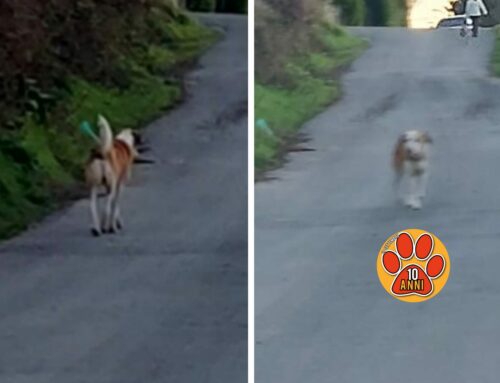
(411, 160)
(109, 167)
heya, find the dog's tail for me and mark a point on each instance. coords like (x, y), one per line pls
(105, 134)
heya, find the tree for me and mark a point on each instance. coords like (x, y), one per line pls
(232, 6)
(353, 12)
(377, 12)
(457, 7)
(201, 5)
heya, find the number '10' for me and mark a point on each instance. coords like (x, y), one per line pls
(412, 274)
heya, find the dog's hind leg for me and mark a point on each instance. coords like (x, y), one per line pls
(108, 220)
(422, 187)
(396, 185)
(117, 220)
(96, 228)
(112, 209)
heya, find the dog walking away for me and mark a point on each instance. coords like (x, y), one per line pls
(411, 160)
(109, 167)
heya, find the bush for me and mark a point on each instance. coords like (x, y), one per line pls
(377, 12)
(495, 59)
(65, 61)
(232, 6)
(49, 40)
(386, 12)
(201, 5)
(493, 17)
(353, 12)
(372, 12)
(282, 29)
(297, 55)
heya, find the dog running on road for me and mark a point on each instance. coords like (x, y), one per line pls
(411, 160)
(109, 167)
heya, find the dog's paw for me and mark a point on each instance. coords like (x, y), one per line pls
(95, 232)
(109, 230)
(408, 202)
(417, 205)
(413, 203)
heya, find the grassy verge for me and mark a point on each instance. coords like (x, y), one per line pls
(314, 85)
(41, 163)
(495, 58)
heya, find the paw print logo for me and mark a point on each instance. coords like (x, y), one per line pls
(413, 265)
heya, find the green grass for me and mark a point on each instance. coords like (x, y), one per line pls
(313, 85)
(42, 164)
(495, 58)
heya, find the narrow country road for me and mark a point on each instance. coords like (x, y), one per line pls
(321, 314)
(165, 300)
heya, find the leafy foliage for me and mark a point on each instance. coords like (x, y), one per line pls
(64, 61)
(201, 5)
(495, 58)
(372, 12)
(232, 6)
(44, 41)
(353, 12)
(297, 58)
(493, 17)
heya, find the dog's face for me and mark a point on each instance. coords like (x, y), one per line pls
(415, 144)
(131, 138)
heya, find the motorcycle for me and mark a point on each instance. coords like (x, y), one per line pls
(467, 29)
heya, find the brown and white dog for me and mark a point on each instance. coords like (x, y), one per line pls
(411, 160)
(109, 167)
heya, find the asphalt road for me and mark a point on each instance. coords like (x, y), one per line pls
(165, 300)
(321, 313)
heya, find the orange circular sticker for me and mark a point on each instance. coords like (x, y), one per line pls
(413, 265)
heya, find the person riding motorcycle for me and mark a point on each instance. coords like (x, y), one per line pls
(474, 9)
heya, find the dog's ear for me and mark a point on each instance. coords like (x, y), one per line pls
(399, 148)
(401, 139)
(427, 138)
